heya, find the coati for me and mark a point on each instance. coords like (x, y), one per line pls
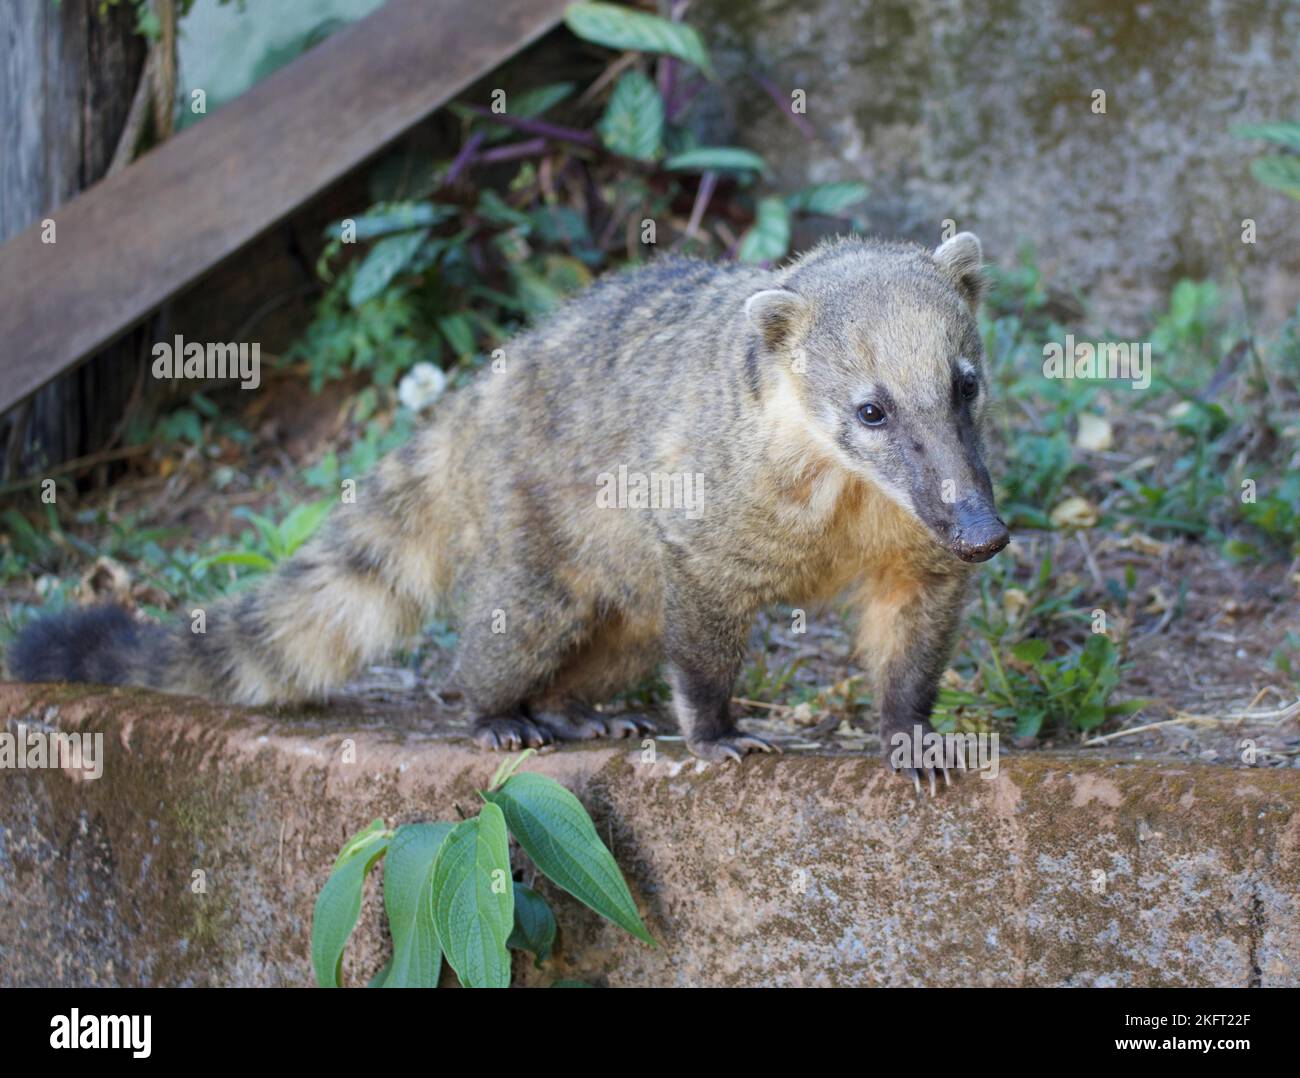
(825, 415)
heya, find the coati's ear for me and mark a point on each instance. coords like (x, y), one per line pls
(779, 315)
(961, 260)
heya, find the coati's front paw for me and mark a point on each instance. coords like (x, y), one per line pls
(910, 753)
(729, 746)
(508, 733)
(917, 774)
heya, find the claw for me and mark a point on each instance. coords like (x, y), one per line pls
(732, 746)
(931, 774)
(622, 726)
(916, 781)
(509, 733)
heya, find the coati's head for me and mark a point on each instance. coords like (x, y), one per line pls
(883, 351)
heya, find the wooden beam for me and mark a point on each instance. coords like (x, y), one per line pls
(128, 244)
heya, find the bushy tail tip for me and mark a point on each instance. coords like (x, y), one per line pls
(99, 644)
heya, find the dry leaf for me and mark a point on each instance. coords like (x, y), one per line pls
(1014, 602)
(105, 579)
(1144, 544)
(1158, 603)
(1095, 434)
(803, 714)
(1074, 513)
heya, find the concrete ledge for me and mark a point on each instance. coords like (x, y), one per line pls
(799, 870)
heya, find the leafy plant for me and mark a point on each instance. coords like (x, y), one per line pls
(1033, 687)
(447, 266)
(448, 890)
(1281, 171)
(277, 541)
(619, 27)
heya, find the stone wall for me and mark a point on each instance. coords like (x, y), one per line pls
(798, 870)
(980, 111)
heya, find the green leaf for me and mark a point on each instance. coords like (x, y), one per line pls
(508, 766)
(339, 903)
(459, 333)
(619, 27)
(236, 557)
(534, 925)
(1129, 707)
(385, 261)
(538, 100)
(1098, 652)
(769, 239)
(1030, 651)
(633, 124)
(716, 158)
(408, 893)
(266, 527)
(389, 217)
(1282, 134)
(492, 207)
(1089, 715)
(556, 832)
(302, 522)
(1282, 173)
(147, 23)
(1029, 723)
(827, 199)
(474, 900)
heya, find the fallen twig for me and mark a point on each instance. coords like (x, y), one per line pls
(1272, 718)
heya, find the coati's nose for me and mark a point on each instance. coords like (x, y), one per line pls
(978, 532)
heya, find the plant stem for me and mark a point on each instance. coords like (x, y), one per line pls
(536, 127)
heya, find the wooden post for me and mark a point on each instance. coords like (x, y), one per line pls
(67, 78)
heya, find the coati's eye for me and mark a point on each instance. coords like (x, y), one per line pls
(871, 414)
(969, 386)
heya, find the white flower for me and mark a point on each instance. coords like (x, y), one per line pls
(421, 386)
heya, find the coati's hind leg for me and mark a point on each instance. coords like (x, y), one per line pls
(533, 727)
(517, 641)
(573, 720)
(621, 650)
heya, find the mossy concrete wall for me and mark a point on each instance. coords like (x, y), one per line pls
(797, 870)
(981, 111)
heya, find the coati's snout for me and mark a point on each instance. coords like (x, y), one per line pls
(947, 486)
(978, 532)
